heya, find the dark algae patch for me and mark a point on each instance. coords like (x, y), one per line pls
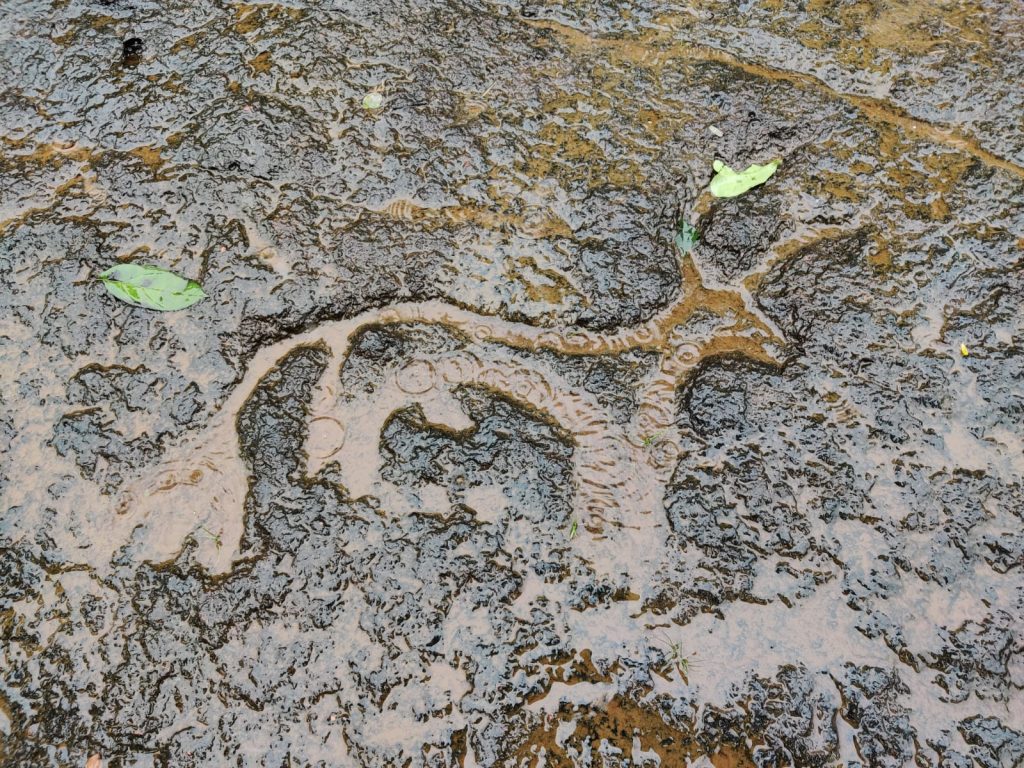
(499, 437)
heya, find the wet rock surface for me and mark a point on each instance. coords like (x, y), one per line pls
(831, 573)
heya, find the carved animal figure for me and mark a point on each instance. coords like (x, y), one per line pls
(620, 471)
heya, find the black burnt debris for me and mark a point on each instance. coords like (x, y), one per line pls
(131, 51)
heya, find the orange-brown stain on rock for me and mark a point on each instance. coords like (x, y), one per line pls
(618, 723)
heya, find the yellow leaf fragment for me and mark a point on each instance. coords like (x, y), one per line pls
(964, 350)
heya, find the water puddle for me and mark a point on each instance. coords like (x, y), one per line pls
(462, 462)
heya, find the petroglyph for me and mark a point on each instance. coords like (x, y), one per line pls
(620, 470)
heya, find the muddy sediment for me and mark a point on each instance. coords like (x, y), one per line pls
(462, 463)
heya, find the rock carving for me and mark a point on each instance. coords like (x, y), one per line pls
(620, 470)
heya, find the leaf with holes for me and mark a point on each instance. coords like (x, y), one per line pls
(151, 287)
(729, 183)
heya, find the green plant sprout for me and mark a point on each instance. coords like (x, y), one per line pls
(652, 439)
(215, 537)
(676, 658)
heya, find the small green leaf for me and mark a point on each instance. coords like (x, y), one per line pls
(151, 287)
(686, 237)
(728, 183)
(572, 531)
(373, 100)
(652, 439)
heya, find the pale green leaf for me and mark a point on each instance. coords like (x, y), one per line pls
(728, 183)
(151, 287)
(686, 237)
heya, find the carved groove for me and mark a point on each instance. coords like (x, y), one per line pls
(620, 470)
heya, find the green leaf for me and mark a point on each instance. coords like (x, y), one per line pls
(373, 100)
(728, 183)
(686, 237)
(151, 287)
